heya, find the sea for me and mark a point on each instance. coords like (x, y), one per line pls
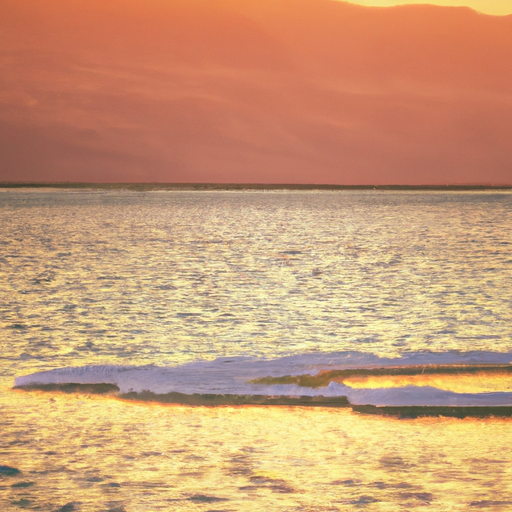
(255, 350)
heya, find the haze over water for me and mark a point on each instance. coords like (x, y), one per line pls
(273, 282)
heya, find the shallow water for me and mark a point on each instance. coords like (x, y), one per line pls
(176, 278)
(104, 454)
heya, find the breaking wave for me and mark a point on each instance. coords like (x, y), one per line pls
(415, 384)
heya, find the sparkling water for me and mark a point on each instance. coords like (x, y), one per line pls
(228, 294)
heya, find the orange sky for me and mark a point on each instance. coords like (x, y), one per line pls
(494, 7)
(275, 91)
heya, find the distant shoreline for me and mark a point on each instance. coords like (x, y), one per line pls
(241, 186)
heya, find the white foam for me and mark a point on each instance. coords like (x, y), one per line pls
(427, 396)
(232, 376)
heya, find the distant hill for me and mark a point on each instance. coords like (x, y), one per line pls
(256, 91)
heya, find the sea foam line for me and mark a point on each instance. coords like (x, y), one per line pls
(249, 377)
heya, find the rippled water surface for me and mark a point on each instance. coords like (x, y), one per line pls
(167, 278)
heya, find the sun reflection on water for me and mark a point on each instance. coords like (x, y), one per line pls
(96, 451)
(458, 383)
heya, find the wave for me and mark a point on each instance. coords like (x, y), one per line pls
(472, 383)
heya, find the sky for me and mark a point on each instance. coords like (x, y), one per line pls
(493, 7)
(254, 91)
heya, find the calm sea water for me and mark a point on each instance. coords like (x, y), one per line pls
(202, 292)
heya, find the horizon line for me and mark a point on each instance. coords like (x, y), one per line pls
(243, 186)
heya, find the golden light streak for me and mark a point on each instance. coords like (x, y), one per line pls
(458, 383)
(494, 7)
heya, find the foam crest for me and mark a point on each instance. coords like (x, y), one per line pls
(314, 377)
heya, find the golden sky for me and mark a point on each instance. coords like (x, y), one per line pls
(496, 7)
(252, 91)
